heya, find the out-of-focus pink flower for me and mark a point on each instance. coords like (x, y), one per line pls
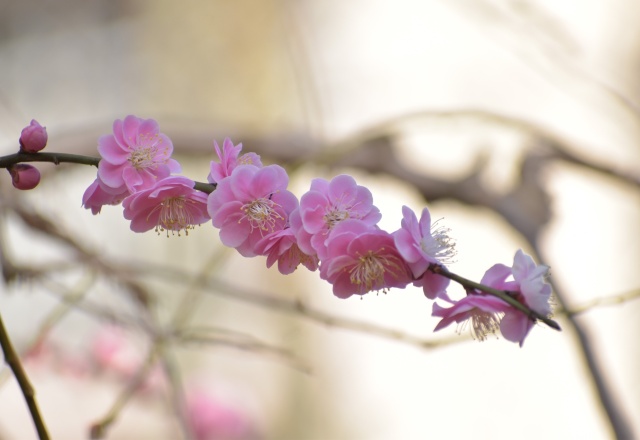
(229, 159)
(281, 246)
(33, 137)
(484, 311)
(531, 290)
(97, 195)
(327, 204)
(170, 205)
(210, 419)
(250, 204)
(135, 156)
(24, 176)
(112, 351)
(420, 244)
(362, 258)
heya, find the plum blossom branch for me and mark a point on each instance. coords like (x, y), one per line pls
(78, 159)
(504, 295)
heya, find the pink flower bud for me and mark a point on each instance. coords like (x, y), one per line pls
(24, 176)
(33, 138)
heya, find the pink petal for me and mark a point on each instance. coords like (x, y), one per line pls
(130, 130)
(111, 175)
(234, 233)
(111, 151)
(515, 326)
(496, 276)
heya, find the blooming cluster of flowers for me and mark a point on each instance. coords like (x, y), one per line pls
(135, 170)
(332, 228)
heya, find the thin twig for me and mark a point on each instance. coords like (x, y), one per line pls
(602, 301)
(29, 393)
(617, 417)
(296, 307)
(98, 429)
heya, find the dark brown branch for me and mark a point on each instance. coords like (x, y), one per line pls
(13, 360)
(55, 158)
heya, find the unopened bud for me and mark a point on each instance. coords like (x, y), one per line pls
(24, 176)
(33, 138)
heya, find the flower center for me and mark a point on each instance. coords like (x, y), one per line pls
(148, 155)
(175, 215)
(368, 273)
(483, 323)
(335, 216)
(439, 244)
(142, 157)
(262, 214)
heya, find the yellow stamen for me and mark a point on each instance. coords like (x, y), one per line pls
(175, 215)
(262, 214)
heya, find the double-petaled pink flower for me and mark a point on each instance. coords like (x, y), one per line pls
(327, 204)
(420, 243)
(361, 258)
(229, 159)
(281, 246)
(135, 156)
(250, 204)
(170, 205)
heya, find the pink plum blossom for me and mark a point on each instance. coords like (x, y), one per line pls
(484, 311)
(361, 258)
(421, 244)
(98, 194)
(488, 312)
(33, 137)
(530, 289)
(281, 246)
(170, 205)
(250, 204)
(229, 159)
(24, 176)
(135, 156)
(328, 203)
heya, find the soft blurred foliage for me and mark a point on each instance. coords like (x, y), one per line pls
(516, 121)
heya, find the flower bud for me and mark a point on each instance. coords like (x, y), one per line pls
(24, 176)
(33, 138)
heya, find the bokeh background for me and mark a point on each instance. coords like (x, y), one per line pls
(515, 121)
